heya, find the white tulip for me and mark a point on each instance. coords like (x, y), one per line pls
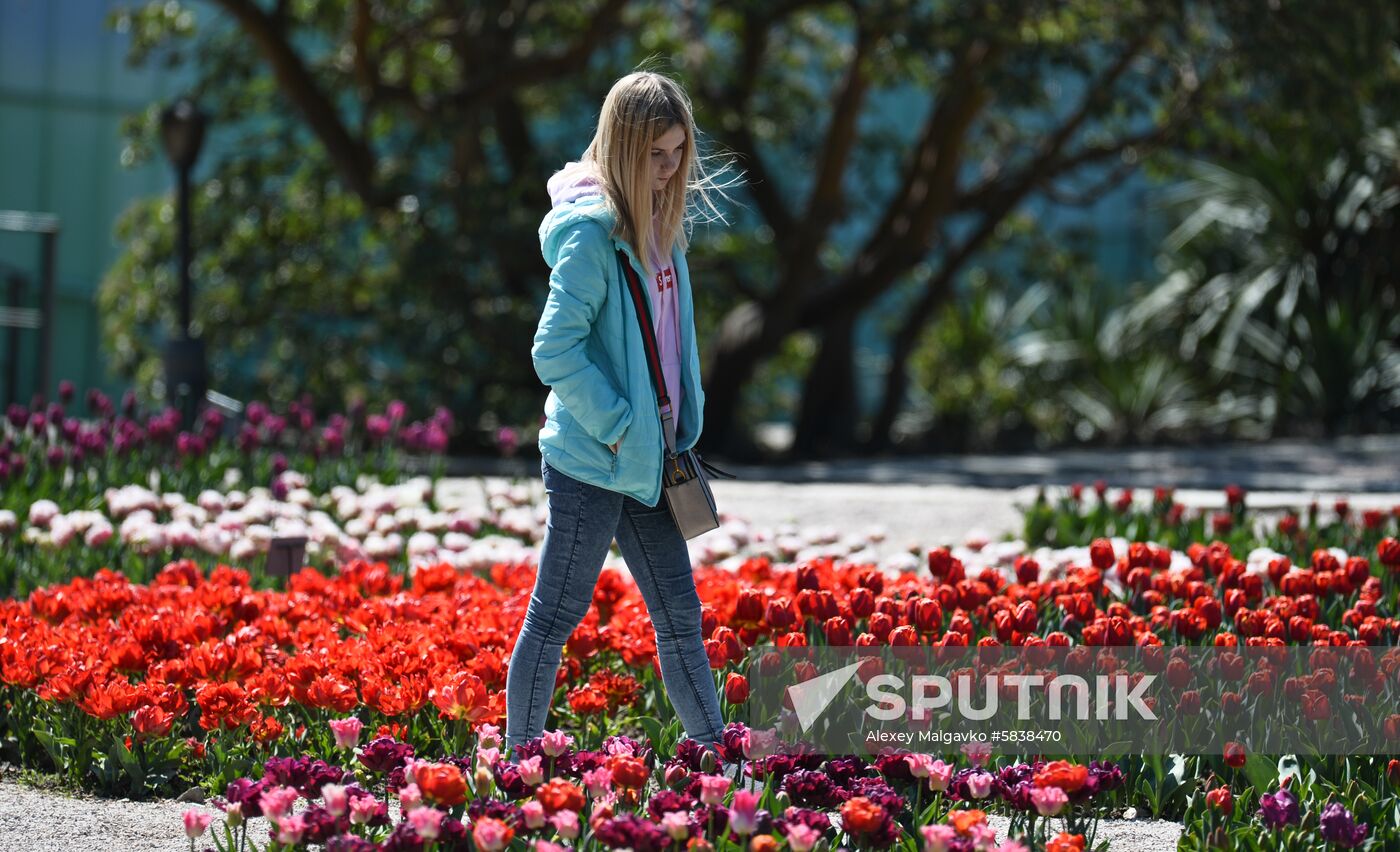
(42, 512)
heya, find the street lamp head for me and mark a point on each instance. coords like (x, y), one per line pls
(182, 132)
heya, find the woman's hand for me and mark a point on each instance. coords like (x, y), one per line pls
(614, 447)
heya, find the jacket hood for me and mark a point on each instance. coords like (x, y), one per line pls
(576, 195)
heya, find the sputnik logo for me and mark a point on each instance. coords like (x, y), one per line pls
(811, 697)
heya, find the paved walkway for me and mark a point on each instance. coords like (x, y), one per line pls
(1348, 465)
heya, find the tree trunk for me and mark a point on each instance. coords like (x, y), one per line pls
(905, 340)
(826, 423)
(746, 337)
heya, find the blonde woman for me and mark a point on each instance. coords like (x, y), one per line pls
(601, 444)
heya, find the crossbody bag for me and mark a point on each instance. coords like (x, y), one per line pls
(683, 481)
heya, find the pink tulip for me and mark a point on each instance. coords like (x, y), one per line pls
(410, 797)
(978, 752)
(533, 813)
(196, 823)
(713, 788)
(277, 801)
(598, 781)
(532, 771)
(291, 828)
(1048, 801)
(426, 822)
(487, 756)
(566, 823)
(363, 809)
(743, 815)
(488, 735)
(677, 824)
(346, 732)
(491, 834)
(337, 801)
(940, 775)
(556, 743)
(233, 814)
(938, 838)
(802, 837)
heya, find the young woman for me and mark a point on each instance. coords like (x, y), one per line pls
(601, 444)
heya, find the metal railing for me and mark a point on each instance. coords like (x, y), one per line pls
(41, 319)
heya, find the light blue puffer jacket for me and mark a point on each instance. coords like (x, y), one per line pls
(588, 349)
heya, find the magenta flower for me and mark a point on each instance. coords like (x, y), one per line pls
(1279, 809)
(1339, 826)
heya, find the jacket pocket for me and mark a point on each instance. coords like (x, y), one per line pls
(592, 455)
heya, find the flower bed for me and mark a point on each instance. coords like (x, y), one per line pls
(154, 665)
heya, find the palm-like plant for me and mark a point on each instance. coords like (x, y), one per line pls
(1287, 287)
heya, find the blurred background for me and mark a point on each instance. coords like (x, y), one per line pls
(959, 227)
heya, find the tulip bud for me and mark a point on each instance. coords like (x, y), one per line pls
(485, 782)
(708, 761)
(677, 775)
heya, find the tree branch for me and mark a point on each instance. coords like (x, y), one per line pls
(740, 139)
(352, 158)
(521, 71)
(927, 193)
(825, 202)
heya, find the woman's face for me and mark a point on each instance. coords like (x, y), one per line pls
(666, 151)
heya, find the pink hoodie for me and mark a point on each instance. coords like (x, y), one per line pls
(576, 180)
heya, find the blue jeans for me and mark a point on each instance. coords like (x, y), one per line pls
(583, 520)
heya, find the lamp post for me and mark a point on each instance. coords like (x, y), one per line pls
(186, 377)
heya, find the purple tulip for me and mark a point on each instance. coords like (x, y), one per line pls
(1339, 826)
(396, 410)
(1279, 809)
(255, 413)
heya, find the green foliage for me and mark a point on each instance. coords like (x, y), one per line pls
(402, 262)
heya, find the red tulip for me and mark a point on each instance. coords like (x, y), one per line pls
(736, 688)
(1221, 800)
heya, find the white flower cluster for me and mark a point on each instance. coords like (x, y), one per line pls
(405, 521)
(376, 522)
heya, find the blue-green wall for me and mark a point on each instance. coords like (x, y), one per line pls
(64, 88)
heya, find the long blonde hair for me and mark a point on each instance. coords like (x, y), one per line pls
(639, 108)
